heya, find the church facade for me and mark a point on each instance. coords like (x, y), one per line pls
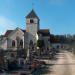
(22, 38)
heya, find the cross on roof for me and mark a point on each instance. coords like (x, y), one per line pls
(32, 5)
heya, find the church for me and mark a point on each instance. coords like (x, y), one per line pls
(21, 39)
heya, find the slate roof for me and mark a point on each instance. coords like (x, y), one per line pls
(23, 30)
(32, 14)
(44, 32)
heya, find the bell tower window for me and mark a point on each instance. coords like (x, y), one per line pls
(31, 21)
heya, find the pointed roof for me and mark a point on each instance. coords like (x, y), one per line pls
(8, 32)
(32, 14)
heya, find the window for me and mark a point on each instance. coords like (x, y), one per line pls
(31, 42)
(13, 43)
(31, 21)
(21, 42)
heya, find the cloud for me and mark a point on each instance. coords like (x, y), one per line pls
(56, 2)
(5, 24)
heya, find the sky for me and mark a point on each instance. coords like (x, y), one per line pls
(56, 15)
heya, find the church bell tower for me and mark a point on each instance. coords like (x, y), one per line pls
(32, 26)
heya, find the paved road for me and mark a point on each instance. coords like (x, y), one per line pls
(65, 65)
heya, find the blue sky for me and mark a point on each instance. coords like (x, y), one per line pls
(56, 15)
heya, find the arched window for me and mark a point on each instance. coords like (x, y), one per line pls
(31, 42)
(21, 43)
(13, 43)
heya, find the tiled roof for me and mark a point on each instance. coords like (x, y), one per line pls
(44, 32)
(9, 31)
(32, 14)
